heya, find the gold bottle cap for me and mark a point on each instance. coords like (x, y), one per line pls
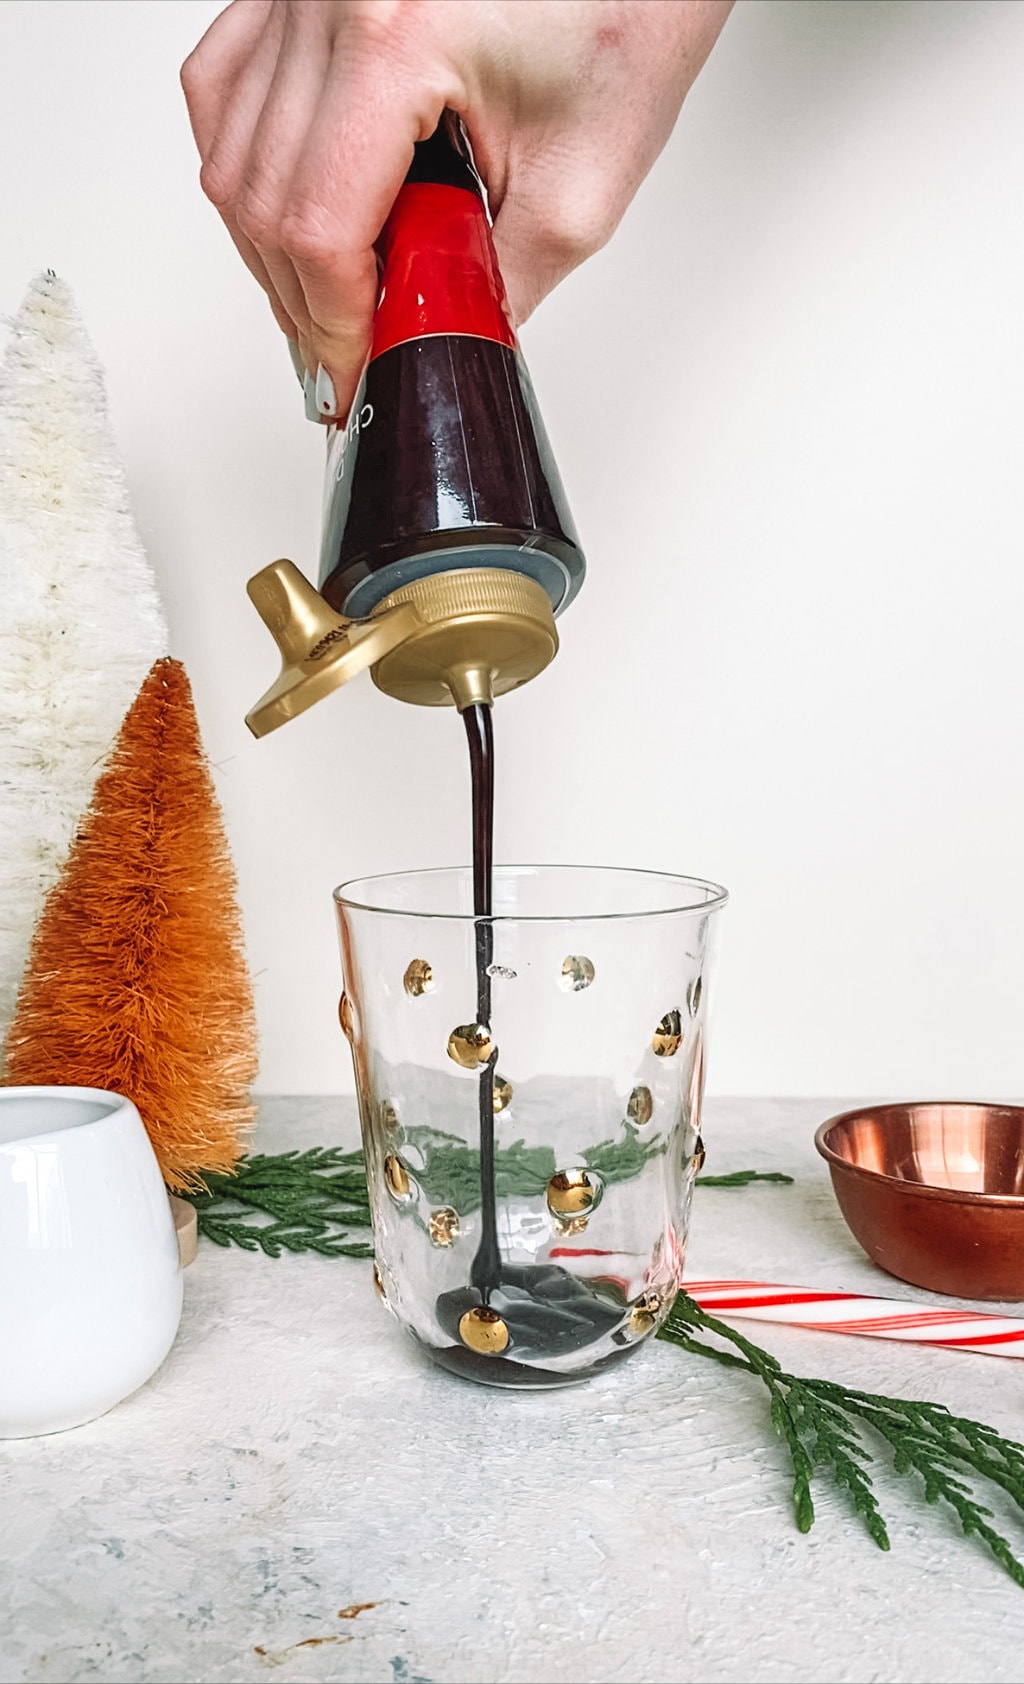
(461, 637)
(483, 631)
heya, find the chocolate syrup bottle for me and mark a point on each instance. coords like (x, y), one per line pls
(444, 463)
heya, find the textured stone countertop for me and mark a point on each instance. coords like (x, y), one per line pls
(297, 1457)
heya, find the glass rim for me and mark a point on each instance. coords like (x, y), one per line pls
(715, 901)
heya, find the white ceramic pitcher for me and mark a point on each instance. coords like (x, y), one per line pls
(90, 1277)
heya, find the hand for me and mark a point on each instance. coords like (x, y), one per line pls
(305, 113)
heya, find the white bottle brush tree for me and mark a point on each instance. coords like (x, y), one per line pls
(81, 621)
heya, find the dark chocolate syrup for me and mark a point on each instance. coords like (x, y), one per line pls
(548, 1312)
(485, 1274)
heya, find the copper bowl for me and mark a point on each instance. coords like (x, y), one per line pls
(934, 1192)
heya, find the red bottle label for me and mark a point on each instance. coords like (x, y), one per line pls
(440, 270)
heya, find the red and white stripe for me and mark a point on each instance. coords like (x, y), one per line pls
(872, 1318)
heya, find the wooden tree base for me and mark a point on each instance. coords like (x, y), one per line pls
(186, 1227)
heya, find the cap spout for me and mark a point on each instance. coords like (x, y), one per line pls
(320, 650)
(470, 685)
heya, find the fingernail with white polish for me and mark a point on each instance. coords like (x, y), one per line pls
(326, 402)
(297, 362)
(309, 387)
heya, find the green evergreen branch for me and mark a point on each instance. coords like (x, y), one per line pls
(743, 1178)
(275, 1237)
(307, 1201)
(311, 1199)
(451, 1169)
(927, 1440)
(622, 1159)
(819, 1421)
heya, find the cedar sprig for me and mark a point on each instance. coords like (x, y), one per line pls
(451, 1169)
(744, 1177)
(927, 1440)
(819, 1423)
(312, 1198)
(309, 1196)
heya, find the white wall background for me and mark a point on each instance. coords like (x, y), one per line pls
(787, 403)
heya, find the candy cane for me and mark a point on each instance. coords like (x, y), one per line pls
(850, 1312)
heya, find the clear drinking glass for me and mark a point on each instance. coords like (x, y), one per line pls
(589, 1076)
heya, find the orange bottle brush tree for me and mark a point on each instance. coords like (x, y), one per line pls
(137, 979)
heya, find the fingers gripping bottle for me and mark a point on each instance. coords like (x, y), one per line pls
(448, 546)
